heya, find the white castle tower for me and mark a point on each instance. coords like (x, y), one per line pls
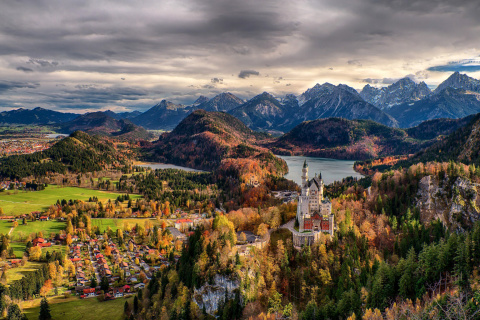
(314, 213)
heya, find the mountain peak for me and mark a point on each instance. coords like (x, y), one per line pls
(200, 100)
(459, 81)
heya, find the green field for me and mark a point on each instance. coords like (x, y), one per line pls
(115, 224)
(18, 273)
(46, 227)
(82, 309)
(5, 226)
(25, 202)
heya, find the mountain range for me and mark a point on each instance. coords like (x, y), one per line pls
(101, 123)
(403, 104)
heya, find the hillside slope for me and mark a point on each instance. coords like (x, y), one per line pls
(219, 142)
(345, 139)
(463, 145)
(102, 124)
(77, 153)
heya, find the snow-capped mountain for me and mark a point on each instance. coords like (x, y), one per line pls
(404, 90)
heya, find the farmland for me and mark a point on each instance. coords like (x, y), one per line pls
(22, 202)
(77, 309)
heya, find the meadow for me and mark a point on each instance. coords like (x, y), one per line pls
(115, 224)
(20, 202)
(18, 273)
(80, 309)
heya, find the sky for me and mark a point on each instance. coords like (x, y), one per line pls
(91, 55)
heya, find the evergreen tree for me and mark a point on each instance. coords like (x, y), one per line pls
(93, 282)
(44, 310)
(104, 285)
(135, 304)
(14, 313)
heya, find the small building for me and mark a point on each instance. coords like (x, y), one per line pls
(183, 224)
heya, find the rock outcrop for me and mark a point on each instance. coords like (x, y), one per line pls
(211, 295)
(455, 204)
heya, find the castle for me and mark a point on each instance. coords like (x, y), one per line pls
(314, 212)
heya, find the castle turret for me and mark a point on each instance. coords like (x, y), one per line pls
(304, 175)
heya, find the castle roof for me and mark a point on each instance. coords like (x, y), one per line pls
(317, 181)
(305, 165)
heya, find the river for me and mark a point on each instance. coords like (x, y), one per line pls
(331, 169)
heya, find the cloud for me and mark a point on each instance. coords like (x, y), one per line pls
(216, 80)
(354, 63)
(9, 85)
(247, 73)
(386, 81)
(24, 69)
(172, 47)
(467, 65)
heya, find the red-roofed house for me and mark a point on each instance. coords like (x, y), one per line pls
(38, 241)
(89, 292)
(183, 224)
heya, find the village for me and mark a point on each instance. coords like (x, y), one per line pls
(10, 147)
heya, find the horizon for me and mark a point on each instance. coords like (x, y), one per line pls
(189, 104)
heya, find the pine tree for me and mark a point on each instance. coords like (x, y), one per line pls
(93, 282)
(44, 310)
(135, 304)
(14, 313)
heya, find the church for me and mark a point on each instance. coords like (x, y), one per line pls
(314, 212)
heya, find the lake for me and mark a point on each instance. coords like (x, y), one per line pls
(56, 135)
(155, 165)
(331, 169)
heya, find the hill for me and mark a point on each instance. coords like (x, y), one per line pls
(346, 139)
(463, 145)
(34, 116)
(449, 103)
(218, 142)
(102, 124)
(77, 153)
(165, 116)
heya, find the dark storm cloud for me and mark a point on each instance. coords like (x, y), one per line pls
(247, 73)
(197, 40)
(24, 69)
(9, 85)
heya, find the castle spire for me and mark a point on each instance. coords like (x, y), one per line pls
(305, 165)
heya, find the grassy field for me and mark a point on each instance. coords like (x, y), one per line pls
(5, 226)
(25, 202)
(46, 227)
(81, 309)
(115, 224)
(18, 273)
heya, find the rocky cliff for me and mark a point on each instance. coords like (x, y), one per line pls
(455, 203)
(211, 295)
